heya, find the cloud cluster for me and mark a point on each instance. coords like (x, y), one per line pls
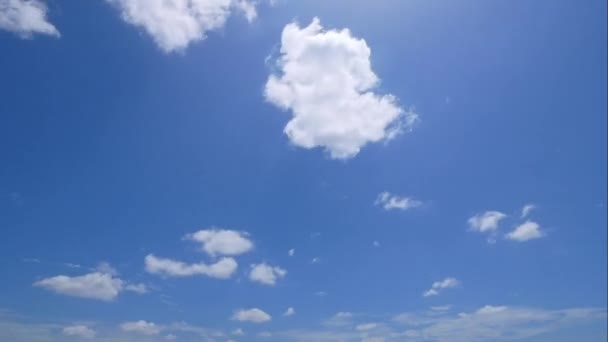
(325, 79)
(102, 284)
(488, 222)
(389, 201)
(175, 24)
(26, 18)
(438, 286)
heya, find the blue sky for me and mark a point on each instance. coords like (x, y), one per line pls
(437, 170)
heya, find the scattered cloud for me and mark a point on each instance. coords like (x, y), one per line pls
(376, 244)
(289, 312)
(222, 241)
(389, 201)
(526, 210)
(486, 222)
(493, 323)
(103, 284)
(321, 293)
(81, 331)
(291, 252)
(254, 315)
(526, 231)
(366, 326)
(238, 332)
(175, 24)
(140, 327)
(438, 286)
(315, 260)
(26, 18)
(170, 337)
(266, 274)
(326, 80)
(265, 334)
(340, 319)
(224, 268)
(137, 288)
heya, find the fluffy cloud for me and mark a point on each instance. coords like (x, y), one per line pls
(81, 331)
(222, 269)
(438, 286)
(174, 24)
(389, 201)
(326, 80)
(266, 274)
(254, 315)
(486, 222)
(527, 209)
(289, 312)
(140, 327)
(526, 231)
(25, 18)
(222, 241)
(96, 285)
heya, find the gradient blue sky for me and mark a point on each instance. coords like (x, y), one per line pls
(113, 149)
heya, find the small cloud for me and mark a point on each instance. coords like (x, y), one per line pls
(526, 231)
(96, 285)
(315, 235)
(366, 326)
(170, 337)
(526, 210)
(253, 315)
(289, 312)
(291, 252)
(376, 244)
(389, 201)
(222, 241)
(140, 327)
(238, 332)
(486, 222)
(265, 334)
(315, 260)
(26, 18)
(81, 331)
(31, 260)
(137, 288)
(438, 286)
(222, 269)
(266, 274)
(340, 319)
(321, 293)
(70, 265)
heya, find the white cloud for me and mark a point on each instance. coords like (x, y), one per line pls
(174, 24)
(266, 274)
(321, 293)
(389, 201)
(289, 312)
(376, 244)
(96, 285)
(291, 252)
(493, 323)
(265, 334)
(222, 241)
(222, 269)
(366, 326)
(486, 222)
(527, 209)
(315, 260)
(137, 288)
(340, 319)
(140, 327)
(170, 337)
(440, 285)
(526, 231)
(326, 80)
(238, 332)
(254, 315)
(79, 331)
(25, 18)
